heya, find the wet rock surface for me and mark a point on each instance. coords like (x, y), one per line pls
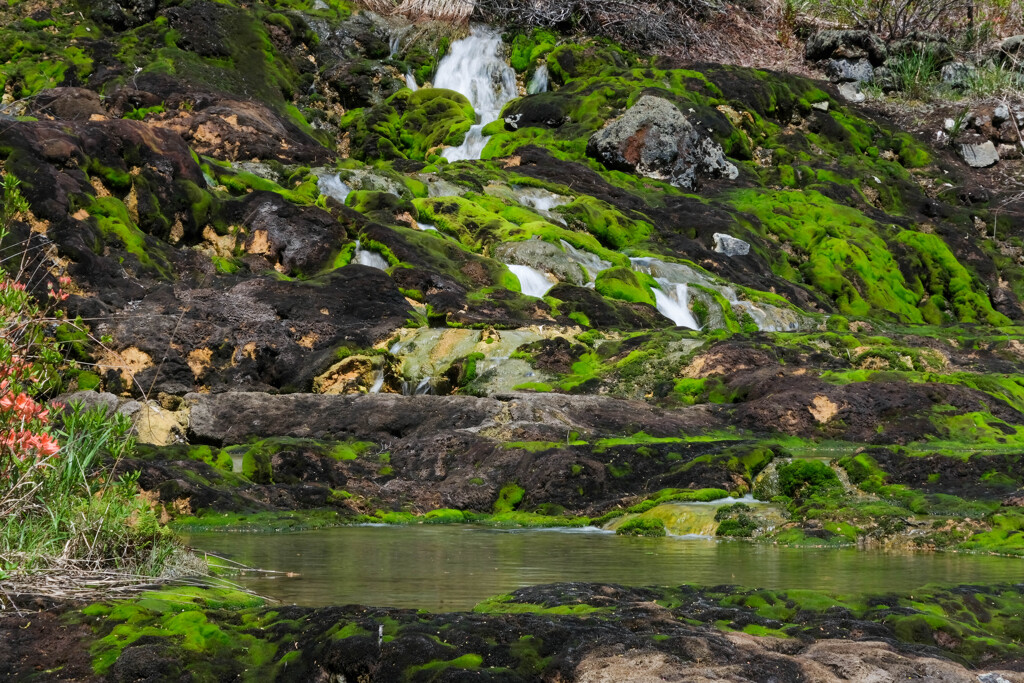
(567, 632)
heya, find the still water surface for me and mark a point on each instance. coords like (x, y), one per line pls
(454, 567)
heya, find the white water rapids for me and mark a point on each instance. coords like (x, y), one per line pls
(474, 67)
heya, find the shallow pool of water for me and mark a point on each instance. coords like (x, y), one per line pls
(454, 567)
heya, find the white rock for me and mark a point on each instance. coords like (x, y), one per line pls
(730, 246)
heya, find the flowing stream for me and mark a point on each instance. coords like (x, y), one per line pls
(455, 567)
(474, 66)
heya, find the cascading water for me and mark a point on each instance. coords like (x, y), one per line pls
(395, 39)
(672, 303)
(539, 82)
(532, 282)
(369, 258)
(410, 82)
(475, 68)
(378, 381)
(538, 199)
(698, 518)
(333, 187)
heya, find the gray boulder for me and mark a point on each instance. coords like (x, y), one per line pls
(1012, 47)
(849, 70)
(957, 74)
(653, 138)
(729, 245)
(979, 155)
(853, 45)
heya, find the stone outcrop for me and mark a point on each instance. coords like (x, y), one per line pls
(654, 139)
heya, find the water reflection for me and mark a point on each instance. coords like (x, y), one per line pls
(455, 567)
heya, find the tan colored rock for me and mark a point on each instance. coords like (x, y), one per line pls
(823, 408)
(159, 427)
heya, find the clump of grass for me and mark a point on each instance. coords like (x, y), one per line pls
(915, 73)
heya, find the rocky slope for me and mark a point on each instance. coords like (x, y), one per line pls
(661, 281)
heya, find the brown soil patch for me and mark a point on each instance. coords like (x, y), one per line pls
(38, 645)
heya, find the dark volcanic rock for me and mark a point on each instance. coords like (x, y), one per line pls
(74, 104)
(598, 633)
(236, 417)
(260, 332)
(301, 239)
(845, 44)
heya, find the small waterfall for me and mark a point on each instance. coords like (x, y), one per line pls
(410, 82)
(532, 282)
(423, 388)
(474, 67)
(378, 381)
(333, 187)
(396, 38)
(698, 518)
(369, 258)
(690, 520)
(426, 226)
(539, 82)
(672, 303)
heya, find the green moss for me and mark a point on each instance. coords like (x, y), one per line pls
(642, 526)
(113, 220)
(409, 124)
(444, 516)
(504, 604)
(613, 229)
(467, 661)
(625, 285)
(802, 478)
(526, 48)
(215, 457)
(508, 498)
(141, 113)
